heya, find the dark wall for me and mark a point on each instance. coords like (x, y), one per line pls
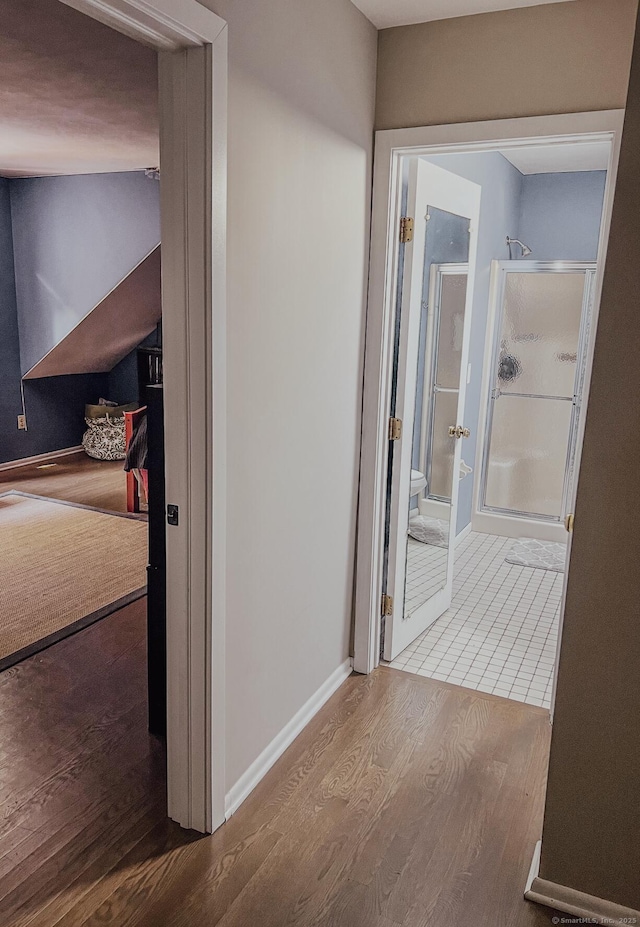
(123, 379)
(10, 403)
(55, 412)
(591, 835)
(54, 405)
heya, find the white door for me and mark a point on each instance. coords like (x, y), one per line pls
(431, 370)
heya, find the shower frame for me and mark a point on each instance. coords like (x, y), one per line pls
(430, 388)
(513, 522)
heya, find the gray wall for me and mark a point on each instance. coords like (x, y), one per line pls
(560, 215)
(499, 215)
(301, 104)
(74, 239)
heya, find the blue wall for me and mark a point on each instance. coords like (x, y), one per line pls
(10, 402)
(55, 405)
(74, 239)
(499, 211)
(560, 215)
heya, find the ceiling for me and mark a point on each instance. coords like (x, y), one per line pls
(385, 13)
(77, 97)
(559, 158)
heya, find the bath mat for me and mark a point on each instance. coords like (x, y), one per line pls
(542, 555)
(434, 531)
(62, 567)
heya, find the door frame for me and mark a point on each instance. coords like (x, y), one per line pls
(192, 61)
(391, 147)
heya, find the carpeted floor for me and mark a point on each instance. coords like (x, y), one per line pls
(62, 566)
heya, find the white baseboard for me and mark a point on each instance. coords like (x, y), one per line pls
(512, 527)
(40, 458)
(588, 908)
(261, 766)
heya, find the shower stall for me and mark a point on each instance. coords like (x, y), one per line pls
(538, 347)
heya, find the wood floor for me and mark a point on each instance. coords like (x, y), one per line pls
(405, 802)
(76, 478)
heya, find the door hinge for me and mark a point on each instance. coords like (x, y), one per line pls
(406, 230)
(395, 429)
(387, 606)
(568, 521)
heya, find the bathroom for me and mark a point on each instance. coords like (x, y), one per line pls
(504, 334)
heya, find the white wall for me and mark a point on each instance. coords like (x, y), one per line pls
(301, 109)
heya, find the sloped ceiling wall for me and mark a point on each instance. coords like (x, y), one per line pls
(112, 329)
(75, 240)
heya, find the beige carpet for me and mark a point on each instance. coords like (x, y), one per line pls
(62, 566)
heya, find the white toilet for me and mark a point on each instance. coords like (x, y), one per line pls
(418, 482)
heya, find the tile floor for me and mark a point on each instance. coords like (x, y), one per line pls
(500, 634)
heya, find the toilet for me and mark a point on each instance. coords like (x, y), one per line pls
(418, 482)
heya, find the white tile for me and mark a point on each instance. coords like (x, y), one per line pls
(501, 630)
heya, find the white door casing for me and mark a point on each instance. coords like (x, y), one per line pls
(391, 148)
(434, 187)
(192, 46)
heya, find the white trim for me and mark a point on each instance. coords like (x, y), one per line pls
(192, 42)
(534, 868)
(391, 146)
(511, 526)
(589, 908)
(166, 25)
(40, 458)
(261, 766)
(466, 531)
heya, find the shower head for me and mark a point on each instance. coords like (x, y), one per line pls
(516, 241)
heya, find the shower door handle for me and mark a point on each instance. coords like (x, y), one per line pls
(457, 431)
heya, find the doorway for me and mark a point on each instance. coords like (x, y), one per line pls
(192, 74)
(450, 542)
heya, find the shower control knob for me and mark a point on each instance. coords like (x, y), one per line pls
(457, 431)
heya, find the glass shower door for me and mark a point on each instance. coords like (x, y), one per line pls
(538, 362)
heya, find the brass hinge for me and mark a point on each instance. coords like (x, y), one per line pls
(406, 230)
(568, 522)
(387, 606)
(395, 429)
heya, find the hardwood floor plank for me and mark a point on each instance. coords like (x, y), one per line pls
(405, 802)
(76, 478)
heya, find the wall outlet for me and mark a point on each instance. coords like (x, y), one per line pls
(22, 423)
